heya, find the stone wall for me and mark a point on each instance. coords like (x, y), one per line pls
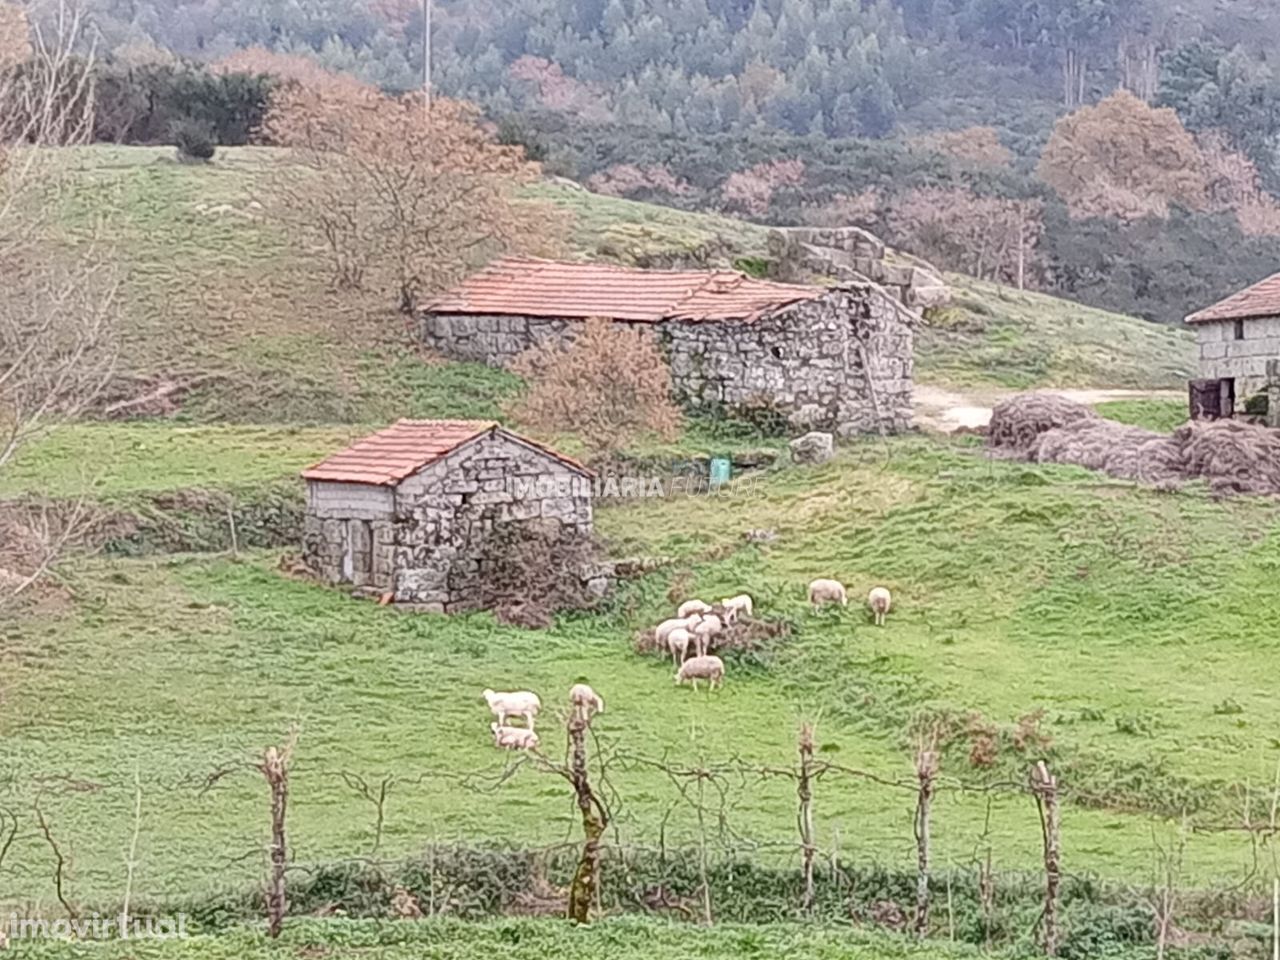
(1222, 355)
(428, 547)
(842, 362)
(806, 361)
(491, 340)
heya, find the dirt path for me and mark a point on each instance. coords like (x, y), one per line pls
(947, 410)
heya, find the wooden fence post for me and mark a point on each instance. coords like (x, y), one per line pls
(926, 770)
(586, 879)
(275, 768)
(804, 789)
(1044, 786)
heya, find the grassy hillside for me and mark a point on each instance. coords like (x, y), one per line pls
(212, 295)
(1128, 617)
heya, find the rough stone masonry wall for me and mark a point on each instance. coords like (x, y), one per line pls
(842, 362)
(447, 512)
(491, 340)
(1222, 355)
(342, 525)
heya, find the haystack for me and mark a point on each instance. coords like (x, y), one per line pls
(1016, 423)
(1233, 457)
(1112, 448)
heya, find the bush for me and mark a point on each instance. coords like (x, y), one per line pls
(194, 142)
(611, 385)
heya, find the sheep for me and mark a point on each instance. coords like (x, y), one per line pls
(513, 738)
(518, 703)
(662, 630)
(694, 669)
(693, 606)
(735, 607)
(678, 641)
(710, 626)
(879, 600)
(828, 591)
(585, 701)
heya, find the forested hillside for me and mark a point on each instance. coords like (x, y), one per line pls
(1124, 154)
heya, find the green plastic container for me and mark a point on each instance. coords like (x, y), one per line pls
(719, 471)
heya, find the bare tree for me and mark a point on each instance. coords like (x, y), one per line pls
(57, 313)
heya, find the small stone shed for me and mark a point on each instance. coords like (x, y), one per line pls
(409, 510)
(1236, 338)
(836, 358)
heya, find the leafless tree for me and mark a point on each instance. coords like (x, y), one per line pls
(57, 313)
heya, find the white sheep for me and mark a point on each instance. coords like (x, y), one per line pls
(694, 669)
(693, 606)
(515, 703)
(662, 630)
(828, 591)
(585, 701)
(879, 600)
(678, 641)
(710, 626)
(513, 738)
(735, 607)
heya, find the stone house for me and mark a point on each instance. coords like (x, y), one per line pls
(836, 358)
(409, 510)
(1236, 339)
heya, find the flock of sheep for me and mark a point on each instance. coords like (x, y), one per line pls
(695, 625)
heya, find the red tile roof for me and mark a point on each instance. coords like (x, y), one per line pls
(521, 286)
(1260, 300)
(402, 449)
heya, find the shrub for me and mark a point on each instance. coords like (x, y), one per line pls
(194, 142)
(533, 570)
(610, 385)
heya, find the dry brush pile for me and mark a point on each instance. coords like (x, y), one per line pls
(1230, 456)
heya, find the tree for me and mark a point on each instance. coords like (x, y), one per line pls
(977, 146)
(56, 315)
(1123, 159)
(400, 199)
(610, 385)
(15, 41)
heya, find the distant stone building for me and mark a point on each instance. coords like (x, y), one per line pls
(1236, 338)
(410, 510)
(838, 359)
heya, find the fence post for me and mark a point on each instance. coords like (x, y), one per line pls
(586, 879)
(804, 788)
(275, 768)
(926, 770)
(1044, 786)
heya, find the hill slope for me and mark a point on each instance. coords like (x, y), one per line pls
(213, 295)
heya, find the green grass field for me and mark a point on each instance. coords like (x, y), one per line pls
(620, 939)
(1129, 617)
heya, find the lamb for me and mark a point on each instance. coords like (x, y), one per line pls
(513, 738)
(735, 607)
(678, 641)
(828, 591)
(710, 626)
(879, 600)
(694, 669)
(517, 703)
(693, 606)
(585, 702)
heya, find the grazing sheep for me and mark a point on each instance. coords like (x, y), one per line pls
(735, 607)
(513, 738)
(879, 600)
(693, 606)
(694, 669)
(585, 701)
(517, 703)
(828, 591)
(662, 630)
(678, 641)
(710, 626)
